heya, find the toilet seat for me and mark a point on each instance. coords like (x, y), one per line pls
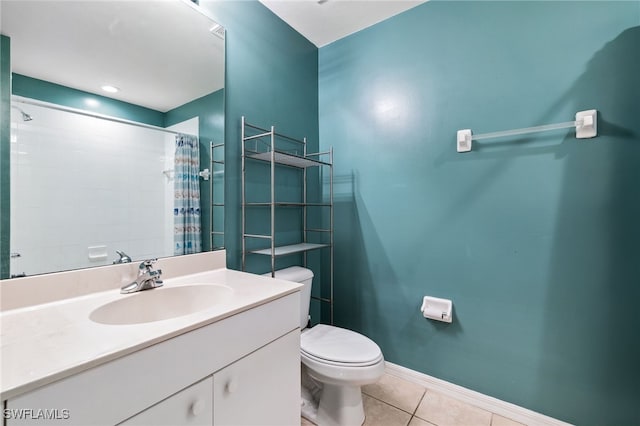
(338, 346)
(342, 374)
(308, 356)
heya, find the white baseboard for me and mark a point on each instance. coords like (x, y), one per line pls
(494, 405)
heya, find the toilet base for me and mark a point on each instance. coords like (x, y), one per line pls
(340, 406)
(310, 395)
(331, 405)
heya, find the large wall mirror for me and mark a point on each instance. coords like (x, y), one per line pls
(117, 132)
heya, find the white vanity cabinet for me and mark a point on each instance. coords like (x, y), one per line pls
(241, 370)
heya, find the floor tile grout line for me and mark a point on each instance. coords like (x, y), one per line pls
(419, 402)
(418, 406)
(387, 403)
(394, 406)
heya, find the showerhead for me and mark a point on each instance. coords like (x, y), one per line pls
(25, 116)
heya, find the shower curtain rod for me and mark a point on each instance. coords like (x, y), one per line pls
(94, 115)
(586, 125)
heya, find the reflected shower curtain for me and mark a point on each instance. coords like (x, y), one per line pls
(186, 208)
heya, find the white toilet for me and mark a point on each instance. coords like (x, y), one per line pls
(335, 363)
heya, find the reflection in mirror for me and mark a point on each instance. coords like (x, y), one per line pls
(113, 174)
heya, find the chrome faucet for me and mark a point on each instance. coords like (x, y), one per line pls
(148, 278)
(124, 257)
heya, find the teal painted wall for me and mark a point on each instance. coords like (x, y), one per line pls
(5, 151)
(271, 77)
(534, 238)
(210, 112)
(62, 95)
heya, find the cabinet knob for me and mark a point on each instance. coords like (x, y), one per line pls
(197, 407)
(232, 386)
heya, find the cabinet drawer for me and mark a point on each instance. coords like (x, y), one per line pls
(192, 406)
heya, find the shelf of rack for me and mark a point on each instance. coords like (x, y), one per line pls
(287, 159)
(290, 249)
(287, 204)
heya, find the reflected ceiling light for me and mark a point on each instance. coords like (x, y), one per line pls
(90, 102)
(110, 89)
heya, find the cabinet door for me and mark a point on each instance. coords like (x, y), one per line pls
(262, 388)
(191, 406)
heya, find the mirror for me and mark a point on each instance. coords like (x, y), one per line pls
(94, 173)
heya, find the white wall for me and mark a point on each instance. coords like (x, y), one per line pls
(79, 182)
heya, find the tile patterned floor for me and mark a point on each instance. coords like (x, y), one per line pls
(396, 402)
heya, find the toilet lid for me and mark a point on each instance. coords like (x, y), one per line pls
(339, 345)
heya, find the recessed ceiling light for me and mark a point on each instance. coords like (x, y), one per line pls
(110, 89)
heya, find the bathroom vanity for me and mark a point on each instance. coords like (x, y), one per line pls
(234, 361)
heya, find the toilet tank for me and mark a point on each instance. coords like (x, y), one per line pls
(303, 276)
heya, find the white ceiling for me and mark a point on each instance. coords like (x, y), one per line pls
(127, 44)
(323, 22)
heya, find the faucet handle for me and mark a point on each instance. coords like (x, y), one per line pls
(124, 257)
(146, 264)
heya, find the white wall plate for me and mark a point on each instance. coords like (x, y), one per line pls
(589, 126)
(464, 140)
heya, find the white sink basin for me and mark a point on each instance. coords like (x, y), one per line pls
(161, 304)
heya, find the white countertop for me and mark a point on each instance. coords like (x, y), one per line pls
(44, 343)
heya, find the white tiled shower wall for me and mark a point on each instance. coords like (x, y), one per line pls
(79, 182)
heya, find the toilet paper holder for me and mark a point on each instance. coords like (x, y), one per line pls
(437, 309)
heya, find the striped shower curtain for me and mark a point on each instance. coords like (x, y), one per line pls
(186, 208)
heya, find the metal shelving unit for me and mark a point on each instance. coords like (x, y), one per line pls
(217, 200)
(277, 150)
